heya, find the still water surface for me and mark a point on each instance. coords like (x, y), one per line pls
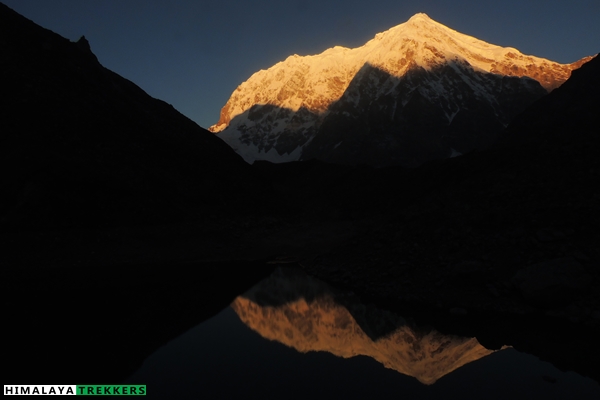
(292, 336)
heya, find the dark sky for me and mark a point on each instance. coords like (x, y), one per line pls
(194, 53)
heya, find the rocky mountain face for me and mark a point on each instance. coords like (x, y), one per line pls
(304, 313)
(416, 92)
(83, 147)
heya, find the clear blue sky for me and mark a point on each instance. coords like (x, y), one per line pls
(194, 53)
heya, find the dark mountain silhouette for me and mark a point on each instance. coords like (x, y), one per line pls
(83, 147)
(564, 114)
(88, 158)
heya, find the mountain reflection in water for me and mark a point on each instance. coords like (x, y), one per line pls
(307, 315)
(224, 358)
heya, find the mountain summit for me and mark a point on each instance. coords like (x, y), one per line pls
(418, 91)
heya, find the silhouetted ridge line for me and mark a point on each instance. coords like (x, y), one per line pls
(82, 146)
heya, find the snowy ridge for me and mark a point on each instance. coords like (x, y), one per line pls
(302, 89)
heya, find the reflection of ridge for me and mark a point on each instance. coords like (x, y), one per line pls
(304, 313)
(289, 285)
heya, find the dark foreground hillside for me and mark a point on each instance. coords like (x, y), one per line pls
(98, 178)
(83, 147)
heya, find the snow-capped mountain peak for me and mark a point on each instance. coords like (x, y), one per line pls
(279, 111)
